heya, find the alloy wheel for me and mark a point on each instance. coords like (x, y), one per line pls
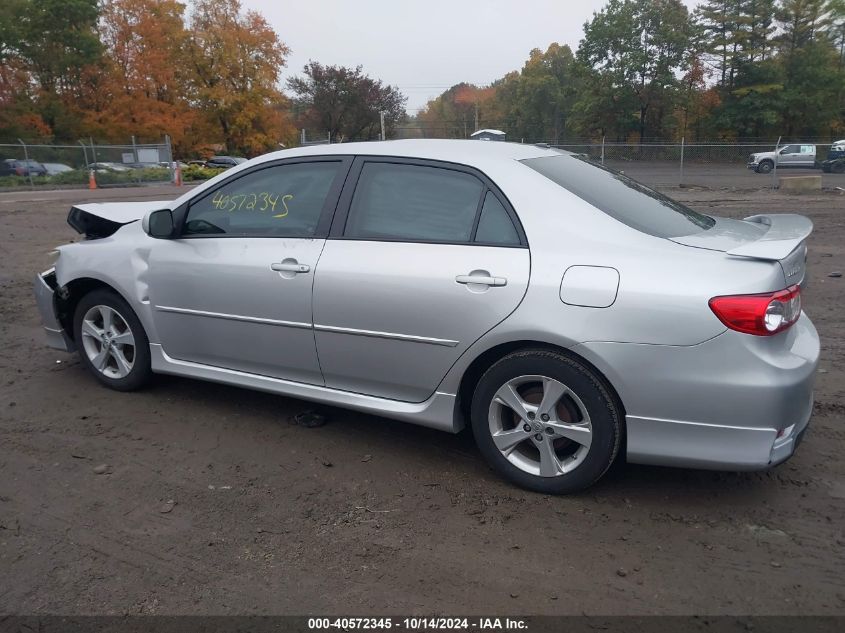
(108, 341)
(540, 425)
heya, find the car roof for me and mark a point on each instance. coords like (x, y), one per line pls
(469, 152)
(489, 158)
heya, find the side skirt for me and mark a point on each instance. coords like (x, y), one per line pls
(437, 412)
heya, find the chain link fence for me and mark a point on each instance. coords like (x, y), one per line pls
(704, 164)
(314, 137)
(32, 165)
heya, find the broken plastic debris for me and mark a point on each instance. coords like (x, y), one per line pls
(309, 419)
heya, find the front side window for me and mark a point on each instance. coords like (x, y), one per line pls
(278, 201)
(413, 203)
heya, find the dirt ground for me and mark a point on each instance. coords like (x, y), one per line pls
(213, 503)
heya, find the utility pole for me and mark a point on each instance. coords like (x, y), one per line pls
(476, 116)
(381, 116)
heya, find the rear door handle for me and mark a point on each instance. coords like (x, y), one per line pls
(484, 281)
(285, 267)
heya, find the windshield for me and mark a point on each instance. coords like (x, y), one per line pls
(620, 197)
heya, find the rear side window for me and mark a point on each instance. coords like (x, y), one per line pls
(495, 225)
(279, 201)
(413, 203)
(620, 197)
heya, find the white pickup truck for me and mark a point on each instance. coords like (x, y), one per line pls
(794, 155)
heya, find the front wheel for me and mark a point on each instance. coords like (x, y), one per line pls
(545, 421)
(111, 341)
(765, 167)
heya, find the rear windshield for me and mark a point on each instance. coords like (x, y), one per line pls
(620, 197)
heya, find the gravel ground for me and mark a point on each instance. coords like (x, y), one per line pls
(194, 498)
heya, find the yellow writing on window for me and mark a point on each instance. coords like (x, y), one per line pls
(260, 201)
(285, 198)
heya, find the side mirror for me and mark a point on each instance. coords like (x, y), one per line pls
(158, 224)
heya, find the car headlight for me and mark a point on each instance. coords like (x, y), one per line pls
(53, 257)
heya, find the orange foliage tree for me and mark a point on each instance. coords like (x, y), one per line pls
(139, 86)
(233, 59)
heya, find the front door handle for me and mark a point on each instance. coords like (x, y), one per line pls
(481, 280)
(289, 267)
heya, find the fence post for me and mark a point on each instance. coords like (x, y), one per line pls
(170, 160)
(26, 161)
(602, 150)
(135, 157)
(681, 181)
(84, 155)
(93, 149)
(775, 168)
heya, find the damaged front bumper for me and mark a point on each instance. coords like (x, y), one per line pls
(45, 286)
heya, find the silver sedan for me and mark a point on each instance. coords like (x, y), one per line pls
(563, 311)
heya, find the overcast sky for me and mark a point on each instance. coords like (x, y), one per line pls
(425, 46)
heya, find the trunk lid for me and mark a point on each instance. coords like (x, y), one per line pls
(779, 238)
(101, 219)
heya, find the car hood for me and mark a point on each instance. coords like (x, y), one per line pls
(101, 219)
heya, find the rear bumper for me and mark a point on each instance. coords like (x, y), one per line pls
(735, 402)
(43, 286)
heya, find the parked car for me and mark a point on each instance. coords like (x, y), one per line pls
(834, 166)
(562, 310)
(224, 162)
(106, 167)
(837, 149)
(835, 162)
(795, 155)
(56, 168)
(198, 163)
(13, 167)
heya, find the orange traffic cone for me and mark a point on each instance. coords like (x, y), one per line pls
(177, 177)
(92, 181)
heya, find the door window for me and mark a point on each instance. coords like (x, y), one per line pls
(279, 201)
(413, 203)
(790, 149)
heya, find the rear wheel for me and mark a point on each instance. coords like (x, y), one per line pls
(765, 167)
(545, 421)
(111, 341)
(838, 168)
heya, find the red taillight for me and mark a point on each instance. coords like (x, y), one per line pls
(762, 315)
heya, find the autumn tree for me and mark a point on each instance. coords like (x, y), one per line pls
(345, 102)
(233, 60)
(141, 87)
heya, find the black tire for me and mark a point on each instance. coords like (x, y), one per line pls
(141, 371)
(765, 167)
(591, 390)
(838, 168)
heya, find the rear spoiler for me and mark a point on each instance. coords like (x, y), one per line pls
(786, 232)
